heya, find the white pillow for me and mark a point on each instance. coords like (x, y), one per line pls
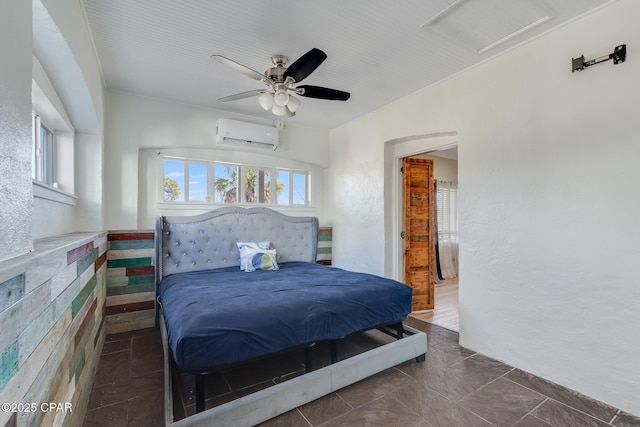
(252, 245)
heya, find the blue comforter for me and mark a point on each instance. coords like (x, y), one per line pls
(218, 317)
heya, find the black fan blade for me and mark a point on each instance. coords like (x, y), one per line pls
(323, 93)
(305, 65)
(240, 68)
(241, 95)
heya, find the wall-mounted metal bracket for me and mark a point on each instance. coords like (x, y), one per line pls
(618, 55)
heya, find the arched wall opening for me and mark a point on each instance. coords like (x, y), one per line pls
(394, 151)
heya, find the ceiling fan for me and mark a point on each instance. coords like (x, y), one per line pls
(281, 79)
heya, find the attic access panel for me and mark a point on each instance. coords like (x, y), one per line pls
(480, 25)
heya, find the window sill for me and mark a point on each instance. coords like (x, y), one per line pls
(47, 192)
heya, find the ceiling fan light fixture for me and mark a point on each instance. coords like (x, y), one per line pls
(293, 104)
(279, 110)
(281, 97)
(266, 100)
(281, 79)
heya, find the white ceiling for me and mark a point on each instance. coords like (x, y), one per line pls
(378, 50)
(450, 153)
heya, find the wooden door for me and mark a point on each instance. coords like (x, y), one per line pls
(418, 229)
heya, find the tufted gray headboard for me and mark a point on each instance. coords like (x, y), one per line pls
(208, 240)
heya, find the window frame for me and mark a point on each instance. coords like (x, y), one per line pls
(53, 181)
(446, 201)
(43, 156)
(241, 184)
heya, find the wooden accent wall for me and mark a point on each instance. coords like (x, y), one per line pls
(325, 237)
(130, 281)
(52, 304)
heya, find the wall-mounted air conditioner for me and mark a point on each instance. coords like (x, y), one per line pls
(246, 135)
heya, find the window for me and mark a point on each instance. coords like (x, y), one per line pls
(43, 155)
(226, 183)
(173, 181)
(298, 188)
(190, 181)
(257, 185)
(447, 211)
(282, 177)
(447, 223)
(53, 143)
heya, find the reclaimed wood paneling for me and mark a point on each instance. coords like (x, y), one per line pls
(48, 344)
(325, 238)
(75, 254)
(130, 281)
(130, 235)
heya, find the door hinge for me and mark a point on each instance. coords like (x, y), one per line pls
(402, 234)
(402, 169)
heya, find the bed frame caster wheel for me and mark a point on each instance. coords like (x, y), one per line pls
(421, 358)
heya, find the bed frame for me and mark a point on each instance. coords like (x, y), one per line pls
(206, 241)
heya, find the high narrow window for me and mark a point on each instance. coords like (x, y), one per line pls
(191, 181)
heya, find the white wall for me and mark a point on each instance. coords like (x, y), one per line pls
(135, 124)
(15, 129)
(548, 208)
(90, 176)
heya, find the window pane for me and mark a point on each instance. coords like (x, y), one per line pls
(43, 154)
(282, 187)
(299, 189)
(266, 191)
(447, 213)
(226, 183)
(197, 182)
(34, 137)
(46, 155)
(49, 151)
(173, 180)
(257, 183)
(251, 185)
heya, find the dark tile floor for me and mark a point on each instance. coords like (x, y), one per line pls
(453, 387)
(129, 386)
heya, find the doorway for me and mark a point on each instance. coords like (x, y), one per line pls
(445, 166)
(444, 145)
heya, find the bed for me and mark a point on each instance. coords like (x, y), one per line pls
(213, 315)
